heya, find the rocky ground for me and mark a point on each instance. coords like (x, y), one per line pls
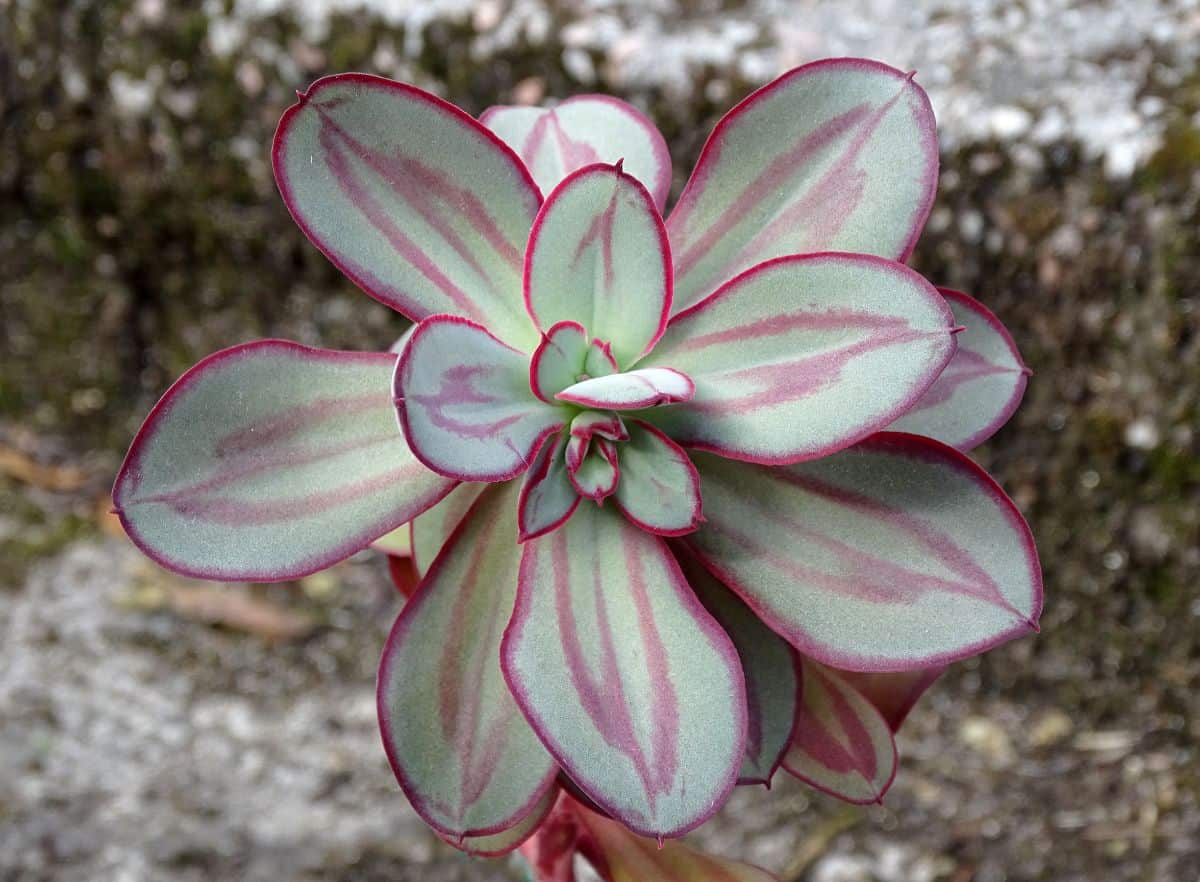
(158, 729)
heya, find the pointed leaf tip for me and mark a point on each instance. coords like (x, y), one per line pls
(598, 255)
(418, 204)
(899, 553)
(269, 461)
(851, 165)
(839, 344)
(980, 388)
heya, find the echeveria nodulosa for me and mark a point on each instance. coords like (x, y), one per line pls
(690, 496)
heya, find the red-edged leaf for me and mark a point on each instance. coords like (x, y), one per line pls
(802, 356)
(840, 155)
(459, 747)
(598, 255)
(498, 844)
(465, 405)
(435, 525)
(620, 856)
(771, 667)
(630, 683)
(632, 390)
(585, 129)
(599, 361)
(897, 554)
(980, 387)
(270, 461)
(606, 424)
(842, 744)
(559, 359)
(423, 207)
(598, 473)
(548, 496)
(893, 694)
(659, 489)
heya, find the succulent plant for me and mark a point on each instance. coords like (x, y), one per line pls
(688, 498)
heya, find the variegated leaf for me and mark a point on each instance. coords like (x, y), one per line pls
(585, 129)
(770, 665)
(558, 360)
(893, 694)
(630, 683)
(598, 255)
(605, 424)
(548, 497)
(270, 461)
(620, 856)
(897, 554)
(598, 473)
(659, 488)
(840, 155)
(632, 390)
(423, 207)
(498, 844)
(433, 527)
(842, 744)
(459, 746)
(465, 404)
(802, 356)
(980, 387)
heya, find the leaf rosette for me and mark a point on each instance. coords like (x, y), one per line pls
(687, 498)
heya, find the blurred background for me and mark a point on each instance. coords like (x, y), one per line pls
(154, 728)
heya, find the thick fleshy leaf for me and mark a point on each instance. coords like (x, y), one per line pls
(270, 461)
(980, 387)
(893, 694)
(459, 746)
(465, 404)
(632, 390)
(497, 844)
(586, 129)
(548, 497)
(424, 208)
(897, 554)
(558, 360)
(659, 489)
(619, 856)
(606, 424)
(842, 744)
(599, 361)
(840, 155)
(631, 684)
(770, 665)
(802, 356)
(598, 473)
(433, 527)
(598, 255)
